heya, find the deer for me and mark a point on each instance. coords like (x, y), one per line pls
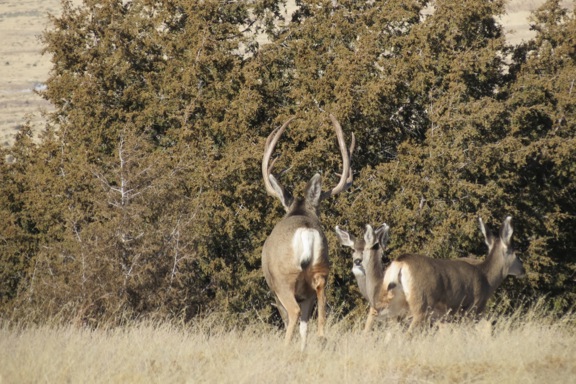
(358, 245)
(423, 288)
(295, 254)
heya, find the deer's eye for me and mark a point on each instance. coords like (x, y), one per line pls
(357, 262)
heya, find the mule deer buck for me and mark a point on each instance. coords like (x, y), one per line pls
(423, 287)
(295, 254)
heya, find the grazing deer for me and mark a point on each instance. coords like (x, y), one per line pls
(424, 287)
(295, 254)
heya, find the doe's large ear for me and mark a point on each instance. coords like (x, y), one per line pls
(285, 196)
(382, 234)
(369, 237)
(506, 231)
(346, 238)
(314, 190)
(488, 237)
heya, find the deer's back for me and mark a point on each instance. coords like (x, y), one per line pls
(441, 283)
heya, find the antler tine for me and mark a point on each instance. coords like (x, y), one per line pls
(350, 152)
(268, 149)
(346, 176)
(350, 173)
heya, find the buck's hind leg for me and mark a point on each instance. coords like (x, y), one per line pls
(292, 308)
(319, 285)
(306, 307)
(282, 310)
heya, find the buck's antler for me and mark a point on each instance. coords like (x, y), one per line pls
(346, 177)
(268, 149)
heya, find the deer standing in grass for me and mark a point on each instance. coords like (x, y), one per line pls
(295, 254)
(358, 267)
(422, 287)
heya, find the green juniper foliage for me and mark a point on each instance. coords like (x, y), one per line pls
(145, 196)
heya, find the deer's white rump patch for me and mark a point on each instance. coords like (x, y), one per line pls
(307, 245)
(398, 282)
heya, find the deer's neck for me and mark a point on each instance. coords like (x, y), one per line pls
(361, 281)
(493, 268)
(374, 276)
(301, 207)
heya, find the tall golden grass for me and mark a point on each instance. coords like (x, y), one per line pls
(529, 346)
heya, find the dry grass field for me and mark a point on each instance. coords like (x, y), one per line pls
(524, 348)
(24, 68)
